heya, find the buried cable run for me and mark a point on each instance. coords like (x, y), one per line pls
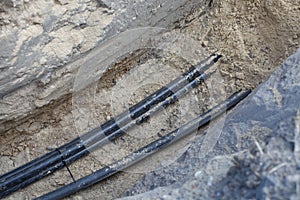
(51, 162)
(147, 150)
(95, 144)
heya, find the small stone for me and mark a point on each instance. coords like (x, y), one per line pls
(34, 127)
(63, 2)
(14, 3)
(239, 75)
(198, 174)
(51, 148)
(204, 43)
(295, 36)
(78, 197)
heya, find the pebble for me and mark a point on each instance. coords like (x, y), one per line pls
(239, 75)
(205, 43)
(198, 174)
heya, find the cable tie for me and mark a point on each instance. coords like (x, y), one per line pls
(65, 164)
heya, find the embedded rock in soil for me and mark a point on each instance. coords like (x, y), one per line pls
(256, 156)
(43, 43)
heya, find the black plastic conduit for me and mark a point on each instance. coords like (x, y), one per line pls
(68, 153)
(147, 150)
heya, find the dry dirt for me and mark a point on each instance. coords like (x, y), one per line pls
(253, 36)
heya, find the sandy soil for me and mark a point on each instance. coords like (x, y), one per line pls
(253, 36)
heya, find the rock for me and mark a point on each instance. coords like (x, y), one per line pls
(15, 3)
(205, 43)
(256, 157)
(240, 75)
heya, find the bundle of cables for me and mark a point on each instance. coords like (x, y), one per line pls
(110, 130)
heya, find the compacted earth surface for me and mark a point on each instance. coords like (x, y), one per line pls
(49, 47)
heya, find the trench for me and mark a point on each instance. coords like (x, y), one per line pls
(253, 37)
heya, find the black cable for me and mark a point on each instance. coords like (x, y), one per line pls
(35, 161)
(17, 178)
(96, 144)
(147, 150)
